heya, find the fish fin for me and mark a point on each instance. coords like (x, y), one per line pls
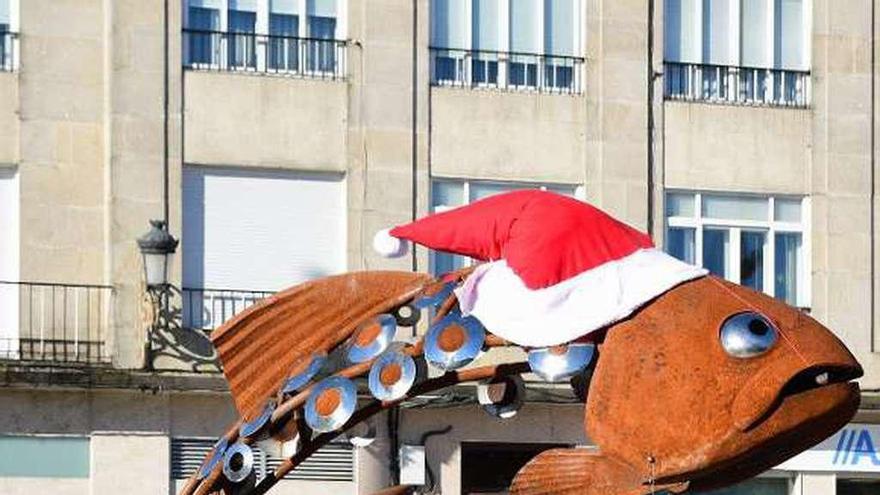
(582, 472)
(260, 346)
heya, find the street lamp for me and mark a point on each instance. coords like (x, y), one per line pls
(157, 246)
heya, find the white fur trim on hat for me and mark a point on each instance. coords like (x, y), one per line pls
(389, 246)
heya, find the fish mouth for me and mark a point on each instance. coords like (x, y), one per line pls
(820, 376)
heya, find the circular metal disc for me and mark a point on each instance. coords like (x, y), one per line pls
(359, 353)
(238, 462)
(297, 382)
(555, 364)
(339, 396)
(436, 298)
(255, 425)
(469, 333)
(509, 404)
(392, 375)
(216, 456)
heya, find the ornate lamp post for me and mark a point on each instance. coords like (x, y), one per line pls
(157, 247)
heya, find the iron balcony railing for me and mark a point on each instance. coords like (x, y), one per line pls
(264, 53)
(737, 85)
(506, 70)
(8, 49)
(56, 323)
(207, 309)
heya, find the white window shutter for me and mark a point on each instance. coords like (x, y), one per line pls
(682, 31)
(790, 52)
(486, 32)
(755, 32)
(322, 8)
(559, 25)
(290, 7)
(449, 24)
(4, 11)
(524, 28)
(261, 230)
(244, 5)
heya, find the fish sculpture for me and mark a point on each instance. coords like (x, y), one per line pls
(701, 385)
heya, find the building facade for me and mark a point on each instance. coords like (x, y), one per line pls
(276, 136)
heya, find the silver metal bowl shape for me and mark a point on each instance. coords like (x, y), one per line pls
(362, 353)
(400, 367)
(471, 342)
(216, 456)
(434, 300)
(238, 462)
(509, 403)
(341, 413)
(559, 363)
(299, 381)
(254, 426)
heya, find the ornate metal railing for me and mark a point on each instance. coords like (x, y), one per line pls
(737, 85)
(206, 309)
(264, 53)
(53, 322)
(506, 70)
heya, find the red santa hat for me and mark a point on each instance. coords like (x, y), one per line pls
(557, 268)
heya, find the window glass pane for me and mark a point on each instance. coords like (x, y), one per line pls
(563, 190)
(449, 24)
(204, 19)
(755, 33)
(559, 17)
(679, 205)
(787, 210)
(716, 251)
(524, 26)
(788, 249)
(486, 14)
(858, 487)
(717, 24)
(481, 190)
(789, 50)
(680, 243)
(242, 47)
(682, 37)
(204, 47)
(44, 457)
(751, 259)
(759, 486)
(447, 262)
(447, 193)
(735, 208)
(283, 49)
(322, 54)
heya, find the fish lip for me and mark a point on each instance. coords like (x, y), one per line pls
(806, 380)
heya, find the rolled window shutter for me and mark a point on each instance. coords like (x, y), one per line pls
(682, 31)
(559, 19)
(485, 27)
(755, 34)
(290, 7)
(789, 49)
(524, 16)
(717, 33)
(449, 24)
(322, 8)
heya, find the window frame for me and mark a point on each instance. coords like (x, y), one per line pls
(770, 226)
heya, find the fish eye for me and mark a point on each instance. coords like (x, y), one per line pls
(747, 335)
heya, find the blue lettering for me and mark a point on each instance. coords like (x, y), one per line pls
(865, 447)
(844, 434)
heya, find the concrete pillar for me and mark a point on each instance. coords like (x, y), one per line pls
(815, 484)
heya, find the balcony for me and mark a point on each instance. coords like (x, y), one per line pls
(54, 323)
(510, 71)
(8, 50)
(207, 309)
(265, 54)
(734, 85)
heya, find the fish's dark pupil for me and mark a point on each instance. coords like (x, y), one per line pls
(758, 327)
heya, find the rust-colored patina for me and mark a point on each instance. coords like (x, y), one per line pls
(668, 406)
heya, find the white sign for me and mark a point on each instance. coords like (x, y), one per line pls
(854, 449)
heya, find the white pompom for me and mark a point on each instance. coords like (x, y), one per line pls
(389, 246)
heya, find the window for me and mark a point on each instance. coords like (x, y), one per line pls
(756, 241)
(510, 44)
(757, 486)
(292, 37)
(332, 462)
(738, 51)
(8, 36)
(248, 233)
(447, 194)
(44, 457)
(858, 486)
(491, 467)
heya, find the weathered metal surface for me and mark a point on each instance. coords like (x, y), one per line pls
(267, 343)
